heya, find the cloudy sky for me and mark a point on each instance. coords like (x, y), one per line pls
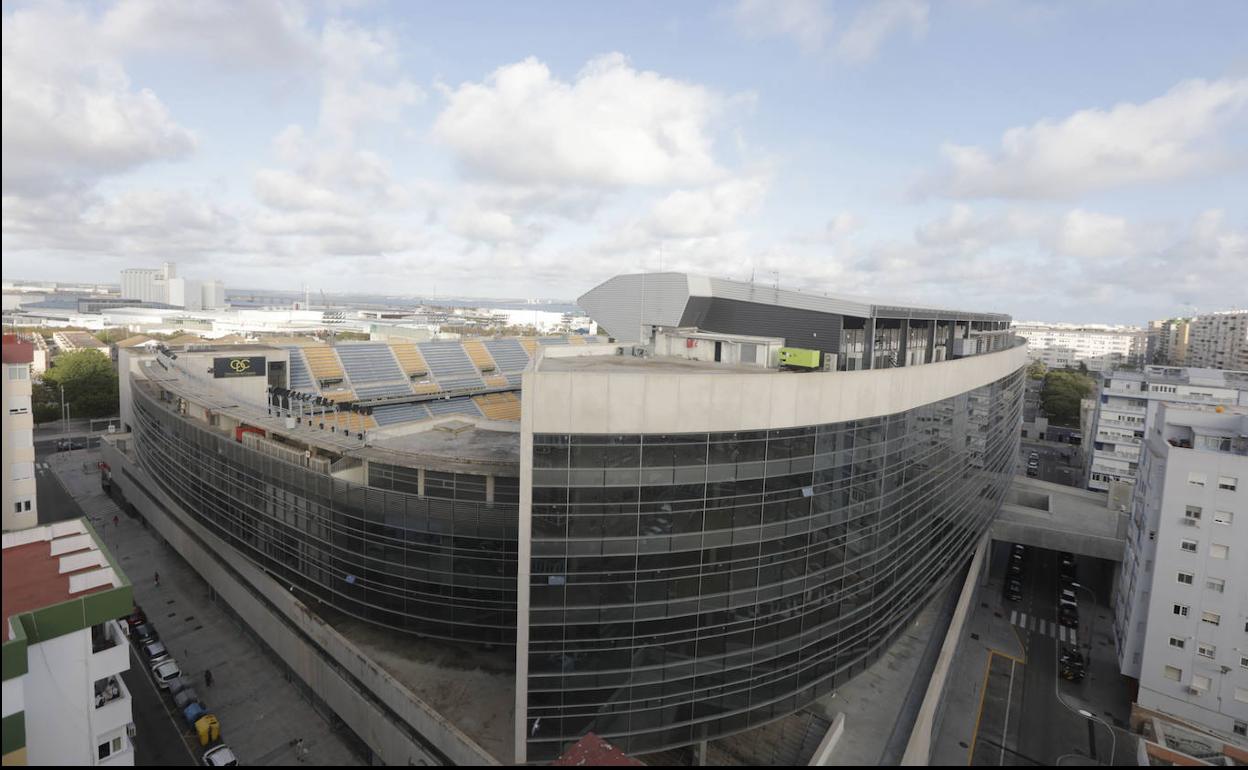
(1061, 161)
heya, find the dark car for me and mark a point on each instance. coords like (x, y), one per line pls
(145, 633)
(1013, 590)
(1068, 616)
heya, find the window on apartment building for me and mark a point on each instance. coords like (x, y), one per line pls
(19, 405)
(1206, 650)
(1229, 483)
(1216, 584)
(1177, 643)
(1223, 517)
(1213, 443)
(1191, 546)
(1170, 672)
(1201, 682)
(1241, 728)
(19, 373)
(1243, 662)
(1219, 551)
(1181, 610)
(21, 506)
(1193, 512)
(1212, 618)
(1196, 479)
(1186, 578)
(108, 748)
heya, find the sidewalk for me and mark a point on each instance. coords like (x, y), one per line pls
(961, 708)
(262, 713)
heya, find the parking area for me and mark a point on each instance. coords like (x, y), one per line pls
(264, 716)
(1036, 679)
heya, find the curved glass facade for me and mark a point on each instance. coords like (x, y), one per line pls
(686, 587)
(441, 565)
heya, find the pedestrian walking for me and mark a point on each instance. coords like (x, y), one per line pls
(116, 521)
(157, 578)
(208, 677)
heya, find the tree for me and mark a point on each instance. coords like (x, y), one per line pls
(1036, 370)
(109, 336)
(1061, 394)
(89, 381)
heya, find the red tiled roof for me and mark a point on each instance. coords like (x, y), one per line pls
(16, 351)
(594, 751)
(32, 580)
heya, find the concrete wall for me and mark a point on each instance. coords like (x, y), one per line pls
(658, 402)
(398, 727)
(919, 747)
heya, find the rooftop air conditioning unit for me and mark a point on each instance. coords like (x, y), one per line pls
(131, 731)
(1195, 691)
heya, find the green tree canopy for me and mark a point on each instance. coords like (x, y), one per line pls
(89, 381)
(1061, 394)
(1036, 370)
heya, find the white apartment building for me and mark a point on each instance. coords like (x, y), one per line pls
(1181, 611)
(65, 703)
(1168, 341)
(20, 509)
(1219, 340)
(1128, 401)
(1099, 347)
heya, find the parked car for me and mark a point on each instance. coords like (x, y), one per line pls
(165, 671)
(220, 756)
(145, 633)
(1068, 616)
(1013, 590)
(155, 652)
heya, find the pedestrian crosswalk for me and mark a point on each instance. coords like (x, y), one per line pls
(1041, 626)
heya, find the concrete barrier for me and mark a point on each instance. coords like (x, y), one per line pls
(919, 747)
(823, 754)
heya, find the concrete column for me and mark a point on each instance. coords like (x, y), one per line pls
(489, 489)
(699, 754)
(931, 342)
(868, 344)
(903, 344)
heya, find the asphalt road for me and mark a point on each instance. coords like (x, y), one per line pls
(1029, 715)
(55, 504)
(1057, 462)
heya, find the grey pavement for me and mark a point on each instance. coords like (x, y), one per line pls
(262, 713)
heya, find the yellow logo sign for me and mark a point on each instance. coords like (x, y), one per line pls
(240, 365)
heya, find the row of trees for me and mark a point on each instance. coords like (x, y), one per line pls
(87, 380)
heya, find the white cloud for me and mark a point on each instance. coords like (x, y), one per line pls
(875, 22)
(271, 33)
(811, 24)
(349, 97)
(1094, 235)
(807, 22)
(70, 115)
(708, 210)
(612, 126)
(1172, 136)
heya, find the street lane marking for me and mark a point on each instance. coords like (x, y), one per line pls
(1043, 627)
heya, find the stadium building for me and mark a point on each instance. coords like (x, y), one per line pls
(693, 527)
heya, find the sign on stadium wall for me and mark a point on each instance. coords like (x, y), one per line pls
(238, 366)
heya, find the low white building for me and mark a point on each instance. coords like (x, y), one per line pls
(1181, 612)
(1097, 346)
(65, 703)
